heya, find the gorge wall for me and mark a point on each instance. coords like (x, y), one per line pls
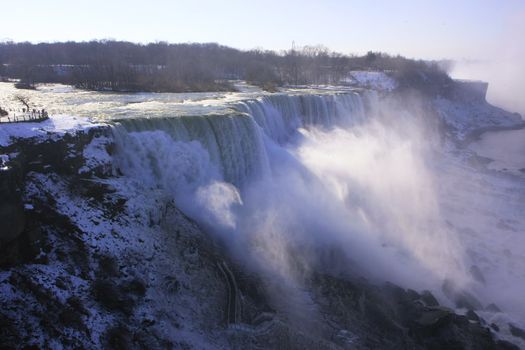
(277, 224)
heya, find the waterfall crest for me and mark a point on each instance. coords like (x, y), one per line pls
(236, 143)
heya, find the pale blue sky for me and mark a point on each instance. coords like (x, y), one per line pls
(415, 28)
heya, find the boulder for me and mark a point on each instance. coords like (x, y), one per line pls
(428, 298)
(461, 298)
(476, 273)
(492, 308)
(472, 316)
(434, 317)
(516, 331)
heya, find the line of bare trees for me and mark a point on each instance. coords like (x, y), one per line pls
(26, 114)
(125, 66)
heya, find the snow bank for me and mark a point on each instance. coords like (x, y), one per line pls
(373, 80)
(465, 118)
(96, 155)
(55, 125)
(4, 158)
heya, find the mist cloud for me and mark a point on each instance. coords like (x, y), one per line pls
(503, 69)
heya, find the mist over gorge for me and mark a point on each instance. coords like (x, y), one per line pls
(324, 183)
(500, 66)
(264, 202)
(161, 190)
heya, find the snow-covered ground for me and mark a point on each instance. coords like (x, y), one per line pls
(372, 80)
(153, 246)
(105, 106)
(155, 243)
(465, 118)
(55, 126)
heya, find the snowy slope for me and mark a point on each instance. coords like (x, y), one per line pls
(55, 126)
(467, 118)
(373, 80)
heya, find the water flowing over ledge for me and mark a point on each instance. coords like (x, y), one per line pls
(236, 142)
(303, 190)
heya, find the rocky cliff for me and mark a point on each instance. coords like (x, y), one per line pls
(88, 260)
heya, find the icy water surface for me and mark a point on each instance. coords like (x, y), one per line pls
(63, 99)
(506, 149)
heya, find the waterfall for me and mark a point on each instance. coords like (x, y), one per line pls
(281, 115)
(230, 147)
(342, 181)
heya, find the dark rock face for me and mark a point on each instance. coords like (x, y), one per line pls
(492, 308)
(472, 316)
(67, 314)
(477, 274)
(468, 90)
(19, 236)
(11, 207)
(64, 284)
(516, 331)
(505, 345)
(68, 285)
(388, 317)
(461, 298)
(21, 233)
(429, 299)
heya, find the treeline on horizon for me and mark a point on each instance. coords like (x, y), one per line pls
(163, 67)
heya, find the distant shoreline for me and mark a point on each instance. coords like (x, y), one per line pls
(478, 133)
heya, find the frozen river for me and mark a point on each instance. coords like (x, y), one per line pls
(506, 149)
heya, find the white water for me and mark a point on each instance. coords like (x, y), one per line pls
(299, 182)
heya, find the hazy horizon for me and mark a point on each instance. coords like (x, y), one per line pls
(482, 37)
(428, 30)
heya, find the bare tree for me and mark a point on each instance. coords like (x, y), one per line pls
(163, 67)
(24, 100)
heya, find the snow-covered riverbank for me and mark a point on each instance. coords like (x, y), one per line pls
(255, 222)
(505, 149)
(53, 128)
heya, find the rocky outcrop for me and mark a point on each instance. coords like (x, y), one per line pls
(63, 155)
(470, 90)
(390, 317)
(96, 263)
(11, 207)
(20, 232)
